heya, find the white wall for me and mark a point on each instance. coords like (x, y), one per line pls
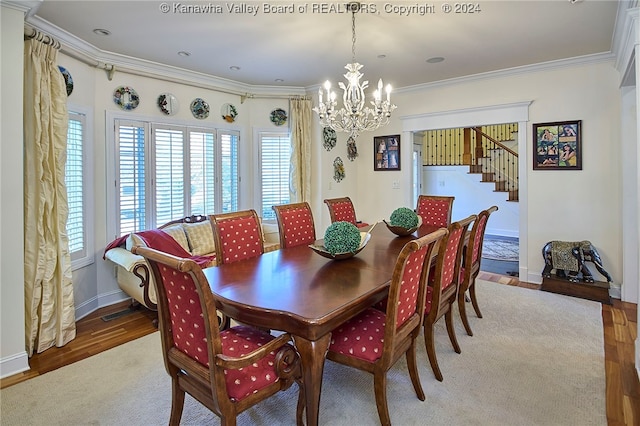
(13, 357)
(562, 205)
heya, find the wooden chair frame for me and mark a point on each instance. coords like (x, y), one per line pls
(208, 385)
(442, 300)
(471, 267)
(283, 208)
(401, 340)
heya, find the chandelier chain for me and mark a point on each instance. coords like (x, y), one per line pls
(353, 35)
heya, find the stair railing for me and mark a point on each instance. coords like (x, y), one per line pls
(497, 162)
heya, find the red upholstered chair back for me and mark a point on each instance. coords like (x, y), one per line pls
(188, 329)
(407, 290)
(435, 210)
(447, 269)
(341, 210)
(238, 236)
(295, 223)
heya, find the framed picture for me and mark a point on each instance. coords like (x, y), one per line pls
(558, 146)
(386, 152)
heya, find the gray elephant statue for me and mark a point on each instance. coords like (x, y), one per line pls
(568, 259)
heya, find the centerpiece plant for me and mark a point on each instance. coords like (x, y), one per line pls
(404, 217)
(341, 237)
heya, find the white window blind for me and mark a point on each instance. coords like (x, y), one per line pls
(275, 162)
(169, 169)
(203, 192)
(176, 172)
(131, 177)
(74, 178)
(229, 170)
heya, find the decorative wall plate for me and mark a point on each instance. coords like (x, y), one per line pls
(126, 98)
(278, 116)
(329, 138)
(200, 108)
(229, 113)
(68, 81)
(168, 103)
(338, 169)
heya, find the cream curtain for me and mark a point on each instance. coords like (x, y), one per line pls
(48, 289)
(301, 150)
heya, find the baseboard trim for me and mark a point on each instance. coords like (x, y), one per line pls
(14, 364)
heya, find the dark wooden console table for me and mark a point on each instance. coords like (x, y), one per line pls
(597, 291)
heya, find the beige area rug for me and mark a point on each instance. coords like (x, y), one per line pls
(536, 358)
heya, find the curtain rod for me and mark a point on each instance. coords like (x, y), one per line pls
(32, 33)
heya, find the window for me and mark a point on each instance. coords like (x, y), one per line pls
(165, 172)
(77, 185)
(275, 162)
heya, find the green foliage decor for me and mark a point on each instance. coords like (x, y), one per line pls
(404, 217)
(341, 237)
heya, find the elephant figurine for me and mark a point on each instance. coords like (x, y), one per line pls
(568, 259)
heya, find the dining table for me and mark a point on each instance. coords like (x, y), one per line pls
(298, 291)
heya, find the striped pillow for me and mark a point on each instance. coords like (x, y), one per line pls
(200, 236)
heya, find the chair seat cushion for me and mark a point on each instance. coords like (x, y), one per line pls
(361, 337)
(239, 341)
(362, 224)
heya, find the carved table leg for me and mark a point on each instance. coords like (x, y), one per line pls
(312, 354)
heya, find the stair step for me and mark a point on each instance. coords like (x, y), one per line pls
(488, 177)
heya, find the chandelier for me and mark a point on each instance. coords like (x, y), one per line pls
(354, 117)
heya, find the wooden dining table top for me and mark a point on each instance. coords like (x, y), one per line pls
(298, 291)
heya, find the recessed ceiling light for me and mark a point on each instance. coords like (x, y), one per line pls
(234, 68)
(279, 80)
(382, 56)
(184, 53)
(435, 60)
(102, 32)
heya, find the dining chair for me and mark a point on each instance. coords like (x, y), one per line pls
(374, 340)
(435, 209)
(442, 289)
(472, 256)
(295, 224)
(227, 371)
(341, 209)
(238, 235)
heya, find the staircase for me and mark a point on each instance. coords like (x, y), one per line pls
(497, 162)
(488, 150)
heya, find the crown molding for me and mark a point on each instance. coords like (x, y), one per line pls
(525, 69)
(114, 62)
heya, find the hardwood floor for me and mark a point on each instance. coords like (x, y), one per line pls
(95, 335)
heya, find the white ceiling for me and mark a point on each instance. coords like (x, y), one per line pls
(304, 49)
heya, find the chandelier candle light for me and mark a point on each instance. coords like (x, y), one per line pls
(354, 117)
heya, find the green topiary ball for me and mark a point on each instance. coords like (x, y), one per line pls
(341, 237)
(404, 217)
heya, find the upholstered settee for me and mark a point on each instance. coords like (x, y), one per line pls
(194, 238)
